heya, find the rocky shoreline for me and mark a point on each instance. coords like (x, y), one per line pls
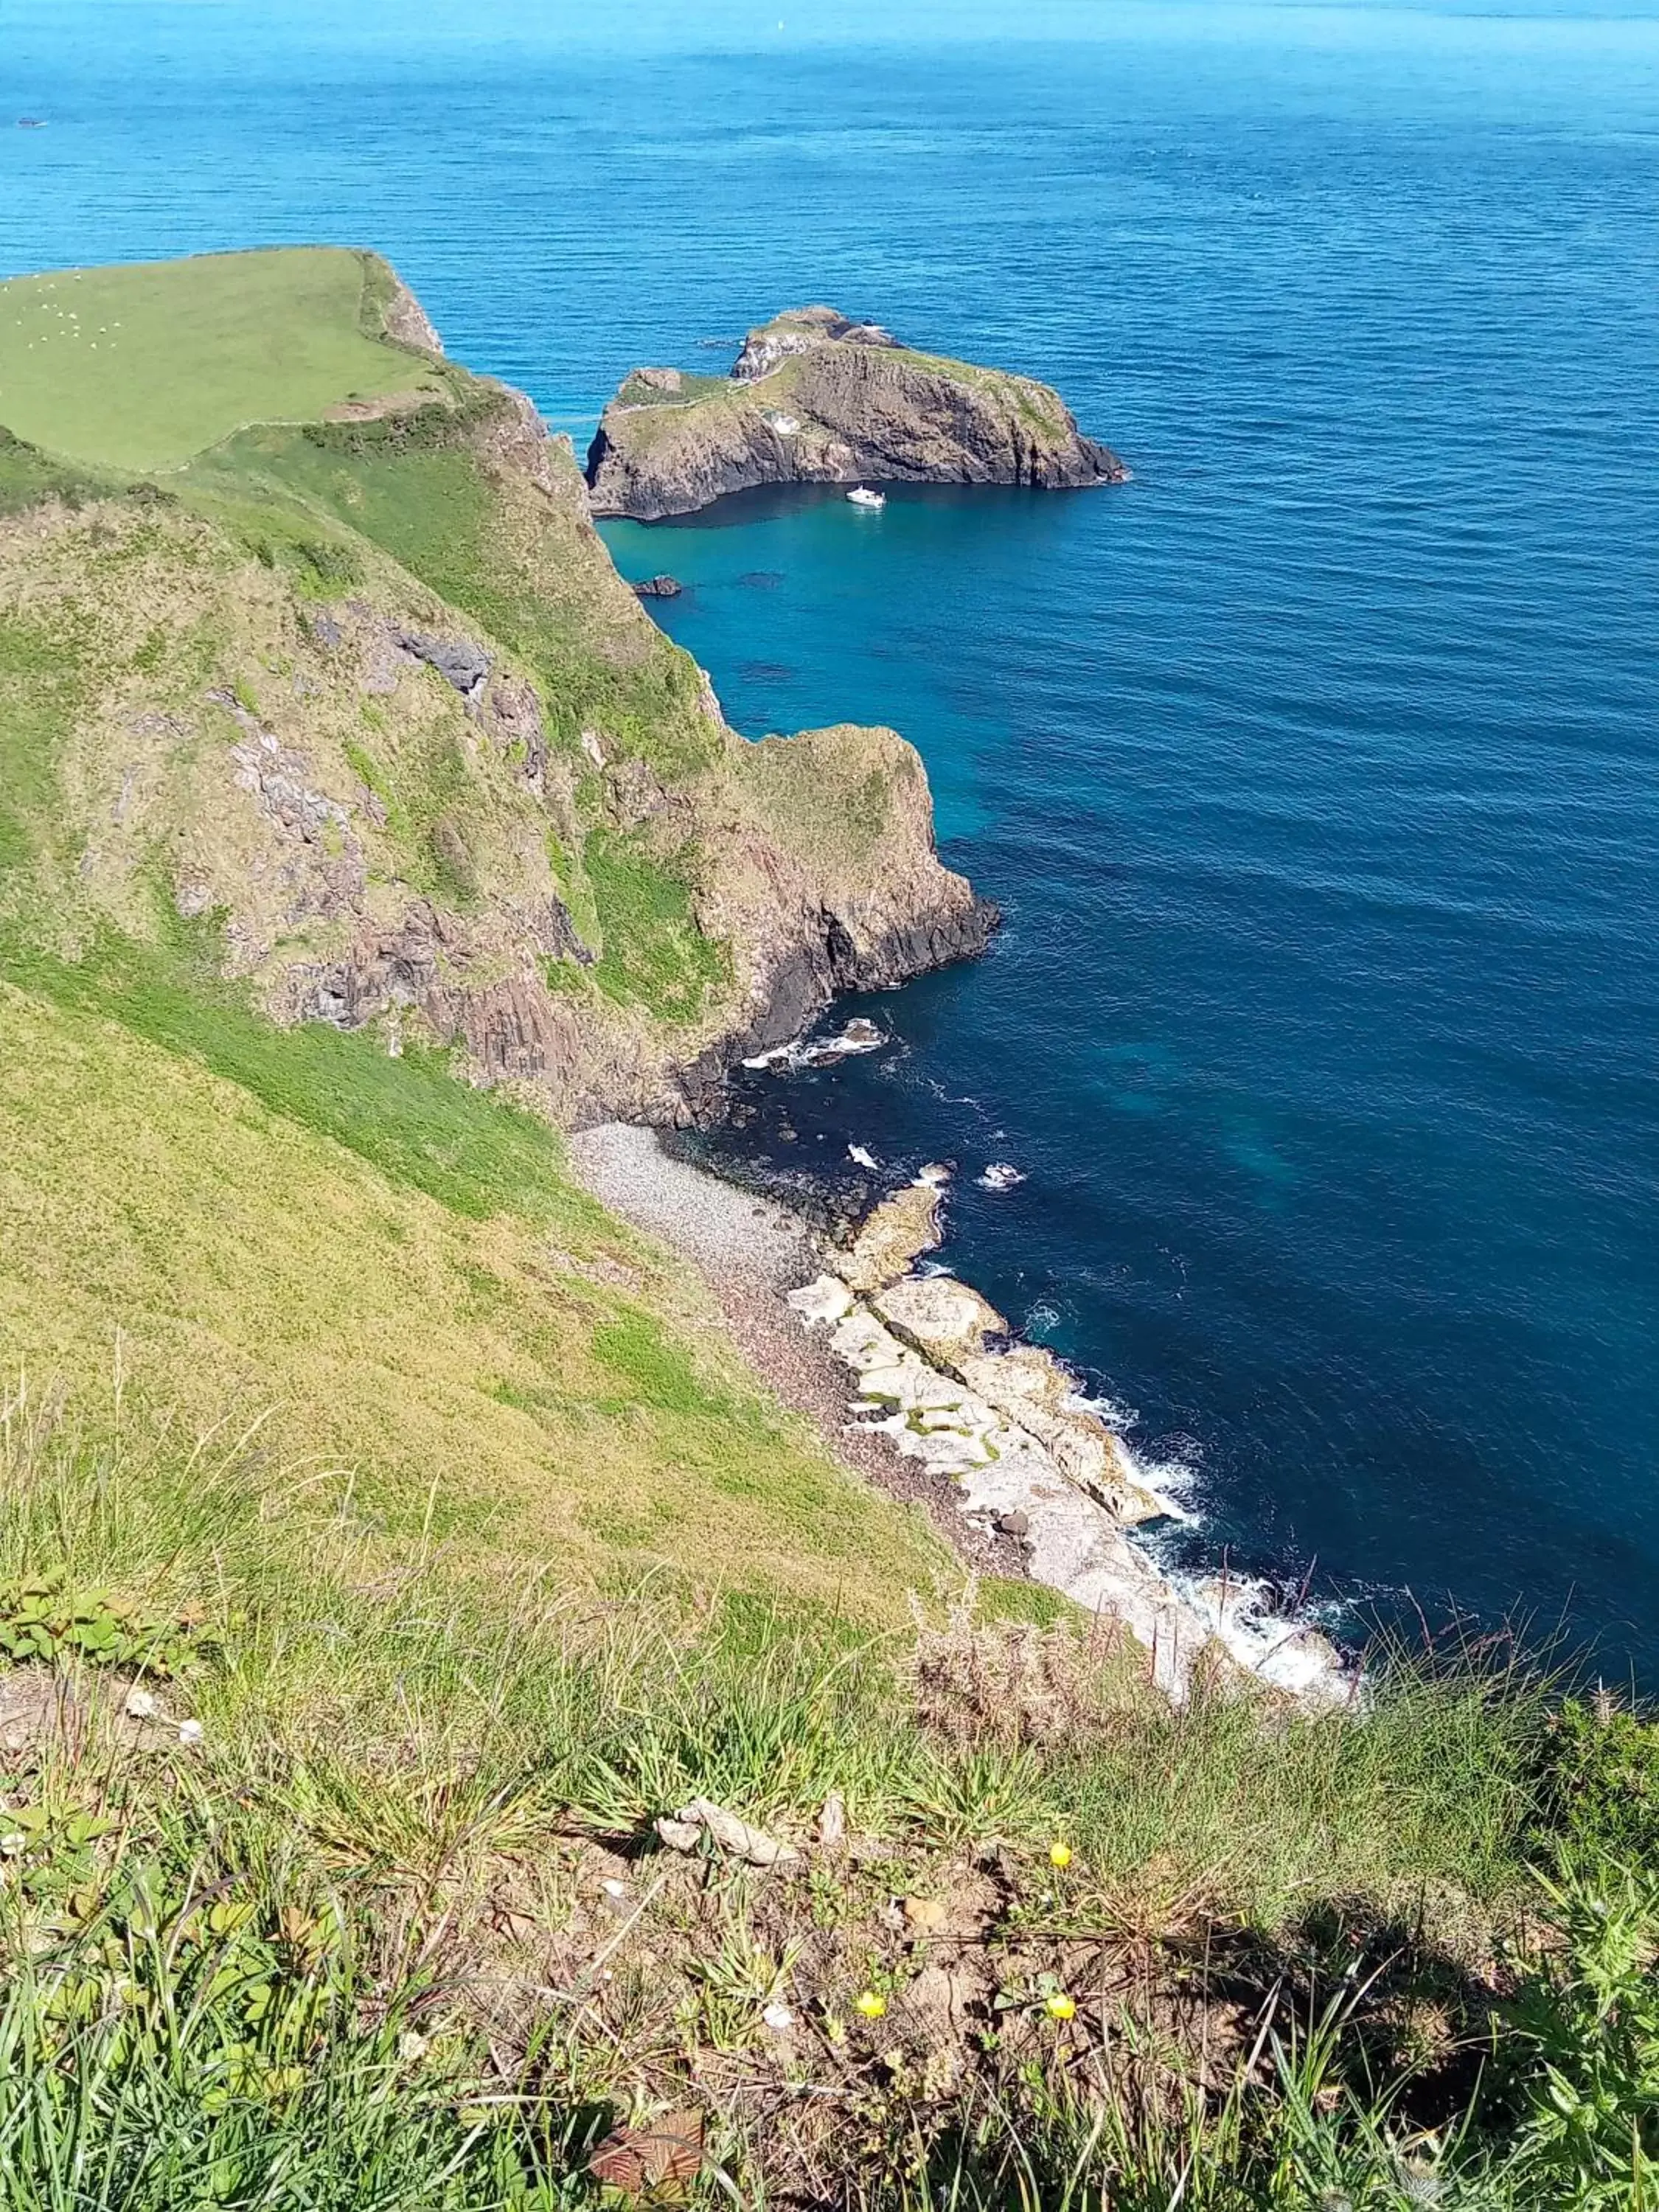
(918, 1383)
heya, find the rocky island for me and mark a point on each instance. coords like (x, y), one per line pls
(814, 398)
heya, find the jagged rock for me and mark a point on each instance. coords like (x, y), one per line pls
(825, 1300)
(815, 397)
(768, 347)
(900, 1229)
(1028, 1461)
(405, 320)
(461, 663)
(659, 587)
(943, 1319)
(517, 714)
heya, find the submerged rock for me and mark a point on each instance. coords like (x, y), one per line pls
(816, 397)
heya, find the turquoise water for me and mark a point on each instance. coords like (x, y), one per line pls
(1316, 768)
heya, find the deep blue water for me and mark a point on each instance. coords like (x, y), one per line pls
(1316, 770)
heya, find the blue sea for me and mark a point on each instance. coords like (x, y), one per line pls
(1316, 770)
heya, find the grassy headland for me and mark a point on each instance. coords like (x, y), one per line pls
(139, 367)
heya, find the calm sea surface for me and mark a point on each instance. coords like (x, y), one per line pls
(1318, 768)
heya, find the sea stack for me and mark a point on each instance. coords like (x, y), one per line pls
(815, 397)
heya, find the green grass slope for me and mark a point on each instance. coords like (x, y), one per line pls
(395, 1274)
(337, 1231)
(140, 367)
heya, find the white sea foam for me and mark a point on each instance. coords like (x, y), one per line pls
(1000, 1175)
(859, 1036)
(1114, 1412)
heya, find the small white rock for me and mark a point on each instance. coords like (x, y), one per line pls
(140, 1706)
(612, 1887)
(779, 2018)
(825, 1300)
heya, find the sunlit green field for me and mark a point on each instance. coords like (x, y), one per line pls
(92, 362)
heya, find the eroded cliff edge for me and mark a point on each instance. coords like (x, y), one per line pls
(362, 708)
(814, 398)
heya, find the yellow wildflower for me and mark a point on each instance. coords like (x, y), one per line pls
(871, 2003)
(1060, 1855)
(1060, 2007)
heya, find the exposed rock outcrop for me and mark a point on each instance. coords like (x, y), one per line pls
(406, 322)
(936, 1373)
(814, 398)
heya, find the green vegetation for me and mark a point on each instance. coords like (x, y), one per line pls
(46, 1618)
(1604, 1772)
(637, 392)
(388, 1923)
(395, 1273)
(140, 367)
(28, 476)
(536, 584)
(655, 956)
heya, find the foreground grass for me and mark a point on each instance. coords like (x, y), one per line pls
(90, 360)
(398, 1930)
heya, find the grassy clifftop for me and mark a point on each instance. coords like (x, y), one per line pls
(140, 367)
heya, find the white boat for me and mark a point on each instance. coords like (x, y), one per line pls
(858, 496)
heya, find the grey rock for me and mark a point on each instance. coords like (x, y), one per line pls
(461, 663)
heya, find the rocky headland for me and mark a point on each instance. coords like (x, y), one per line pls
(434, 771)
(814, 398)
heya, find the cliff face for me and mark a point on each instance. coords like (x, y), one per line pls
(814, 398)
(365, 710)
